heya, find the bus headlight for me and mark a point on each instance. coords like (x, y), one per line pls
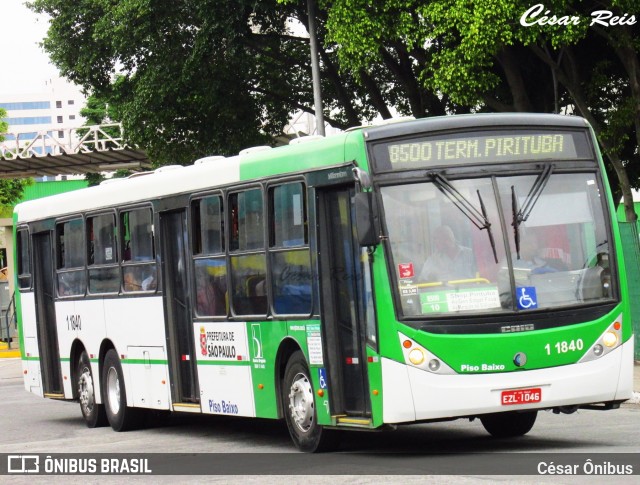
(415, 355)
(610, 340)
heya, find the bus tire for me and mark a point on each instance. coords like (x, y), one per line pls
(299, 408)
(120, 417)
(92, 412)
(509, 424)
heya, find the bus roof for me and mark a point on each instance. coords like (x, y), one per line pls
(481, 121)
(209, 173)
(254, 165)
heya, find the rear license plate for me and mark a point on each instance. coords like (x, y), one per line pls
(521, 396)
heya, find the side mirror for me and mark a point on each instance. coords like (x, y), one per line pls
(366, 227)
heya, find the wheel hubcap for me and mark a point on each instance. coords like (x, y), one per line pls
(113, 390)
(301, 402)
(85, 391)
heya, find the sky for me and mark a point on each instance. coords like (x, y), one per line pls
(24, 67)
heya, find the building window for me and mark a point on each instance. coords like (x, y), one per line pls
(29, 120)
(72, 117)
(60, 134)
(71, 102)
(26, 105)
(59, 119)
(58, 104)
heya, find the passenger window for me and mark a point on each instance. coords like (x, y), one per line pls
(289, 221)
(24, 259)
(248, 259)
(210, 266)
(139, 272)
(208, 225)
(104, 272)
(247, 228)
(70, 256)
(289, 250)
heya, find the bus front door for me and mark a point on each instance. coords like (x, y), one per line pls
(46, 324)
(341, 286)
(180, 343)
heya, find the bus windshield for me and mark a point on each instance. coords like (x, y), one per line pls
(499, 243)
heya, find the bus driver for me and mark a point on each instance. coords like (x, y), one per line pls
(449, 260)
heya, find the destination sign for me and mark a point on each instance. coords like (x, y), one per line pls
(482, 148)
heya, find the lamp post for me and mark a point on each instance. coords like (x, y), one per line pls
(315, 67)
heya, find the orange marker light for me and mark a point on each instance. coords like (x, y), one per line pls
(617, 325)
(375, 392)
(260, 386)
(406, 344)
(320, 393)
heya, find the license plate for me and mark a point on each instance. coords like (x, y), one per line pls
(521, 396)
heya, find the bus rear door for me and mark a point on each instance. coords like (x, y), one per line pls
(46, 315)
(180, 343)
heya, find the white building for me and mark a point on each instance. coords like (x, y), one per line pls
(43, 119)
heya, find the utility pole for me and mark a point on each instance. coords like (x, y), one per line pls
(315, 67)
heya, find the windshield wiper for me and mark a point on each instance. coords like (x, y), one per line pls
(477, 217)
(522, 214)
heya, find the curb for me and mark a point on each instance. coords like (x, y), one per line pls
(9, 353)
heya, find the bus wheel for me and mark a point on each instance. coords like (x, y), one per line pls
(93, 413)
(510, 424)
(299, 408)
(121, 417)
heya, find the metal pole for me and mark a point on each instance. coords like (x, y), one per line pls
(315, 67)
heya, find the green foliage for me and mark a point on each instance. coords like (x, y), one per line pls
(201, 77)
(477, 53)
(11, 190)
(197, 77)
(4, 126)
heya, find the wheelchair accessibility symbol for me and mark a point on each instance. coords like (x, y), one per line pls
(527, 298)
(322, 377)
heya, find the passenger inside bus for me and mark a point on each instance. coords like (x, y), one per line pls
(210, 293)
(531, 258)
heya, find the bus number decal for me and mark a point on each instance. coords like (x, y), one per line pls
(74, 322)
(565, 347)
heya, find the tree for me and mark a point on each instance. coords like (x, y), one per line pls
(10, 189)
(202, 77)
(478, 54)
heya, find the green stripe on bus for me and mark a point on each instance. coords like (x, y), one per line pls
(145, 361)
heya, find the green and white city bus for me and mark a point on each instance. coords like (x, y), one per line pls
(455, 267)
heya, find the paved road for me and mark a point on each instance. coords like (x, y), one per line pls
(30, 424)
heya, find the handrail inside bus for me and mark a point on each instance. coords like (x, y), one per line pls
(453, 282)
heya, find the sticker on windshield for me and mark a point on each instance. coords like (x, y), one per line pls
(526, 297)
(457, 301)
(405, 270)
